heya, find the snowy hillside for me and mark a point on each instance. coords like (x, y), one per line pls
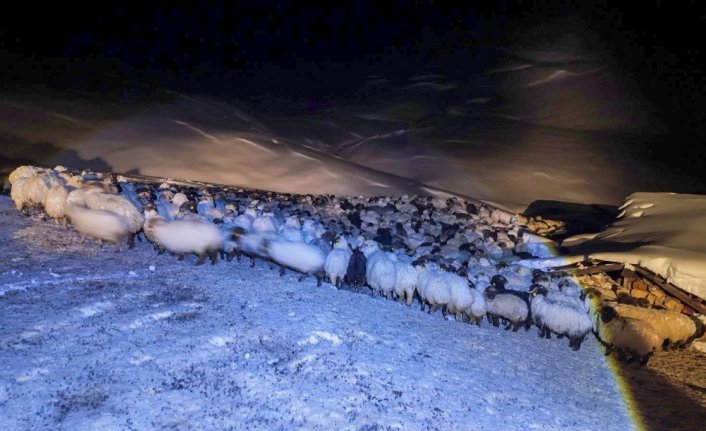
(545, 118)
(94, 339)
(664, 232)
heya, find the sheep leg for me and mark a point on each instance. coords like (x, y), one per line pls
(608, 349)
(444, 310)
(237, 254)
(131, 241)
(252, 262)
(496, 321)
(433, 308)
(560, 336)
(117, 246)
(516, 326)
(201, 259)
(319, 279)
(508, 325)
(479, 319)
(230, 256)
(213, 256)
(302, 277)
(489, 317)
(282, 271)
(180, 257)
(421, 304)
(222, 254)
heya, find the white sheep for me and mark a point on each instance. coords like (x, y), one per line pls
(675, 329)
(336, 264)
(23, 172)
(406, 276)
(55, 203)
(633, 339)
(507, 306)
(381, 276)
(465, 301)
(304, 258)
(266, 222)
(433, 290)
(31, 191)
(94, 197)
(184, 237)
(558, 313)
(101, 225)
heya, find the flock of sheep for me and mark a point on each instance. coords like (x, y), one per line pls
(447, 254)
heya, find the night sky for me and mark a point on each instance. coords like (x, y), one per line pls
(655, 42)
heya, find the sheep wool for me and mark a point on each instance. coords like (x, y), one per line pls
(552, 313)
(55, 202)
(381, 273)
(23, 172)
(301, 257)
(30, 191)
(406, 277)
(507, 306)
(336, 264)
(634, 339)
(184, 237)
(95, 199)
(675, 329)
(463, 298)
(101, 225)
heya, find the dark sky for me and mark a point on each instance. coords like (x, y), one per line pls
(657, 43)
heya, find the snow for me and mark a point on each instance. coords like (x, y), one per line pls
(663, 232)
(229, 346)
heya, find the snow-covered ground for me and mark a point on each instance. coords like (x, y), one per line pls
(93, 339)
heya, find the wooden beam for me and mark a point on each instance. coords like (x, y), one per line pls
(672, 289)
(593, 269)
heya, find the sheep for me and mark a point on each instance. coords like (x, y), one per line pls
(251, 244)
(675, 329)
(558, 313)
(183, 237)
(301, 257)
(465, 301)
(406, 276)
(94, 197)
(510, 307)
(381, 275)
(634, 339)
(31, 191)
(337, 260)
(101, 225)
(23, 172)
(355, 273)
(433, 290)
(55, 203)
